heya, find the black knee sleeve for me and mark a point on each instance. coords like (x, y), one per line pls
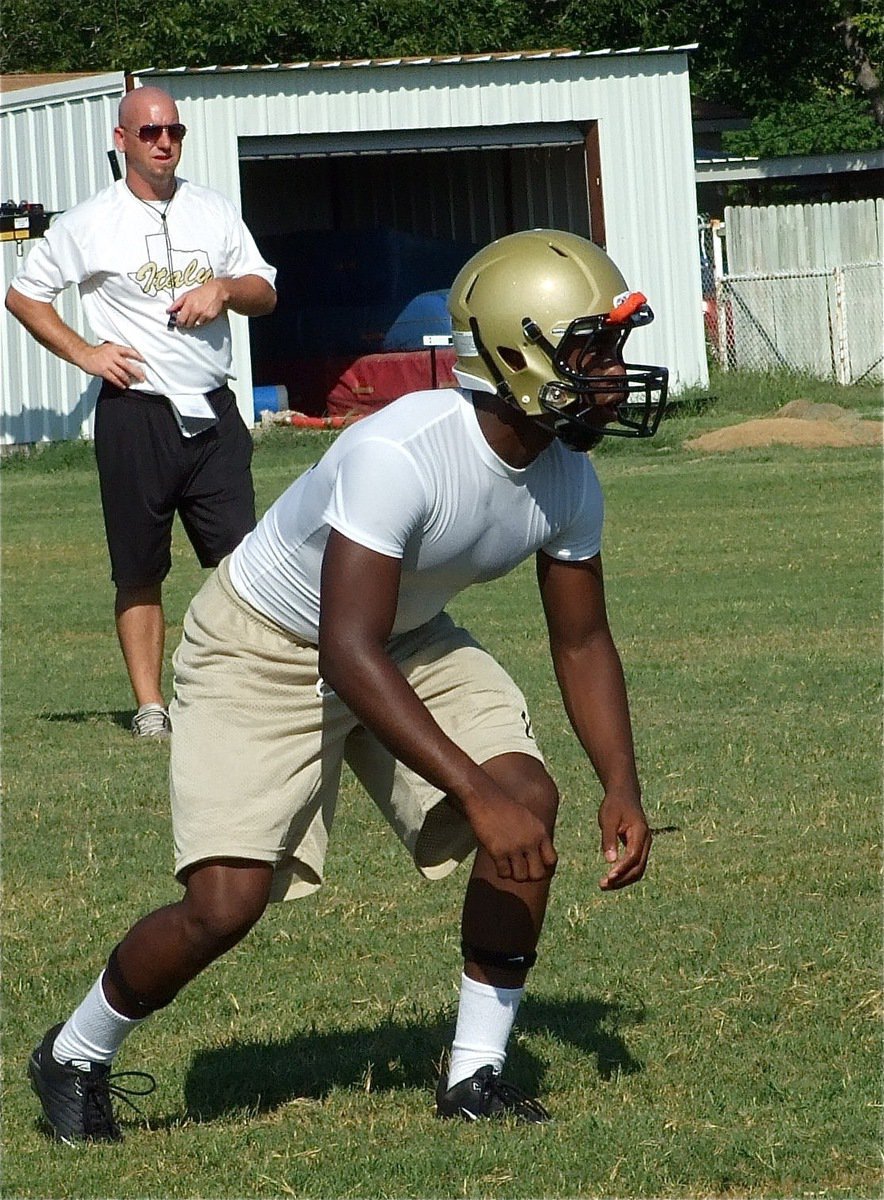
(142, 1006)
(498, 958)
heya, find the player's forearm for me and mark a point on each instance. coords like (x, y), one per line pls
(374, 689)
(46, 327)
(594, 692)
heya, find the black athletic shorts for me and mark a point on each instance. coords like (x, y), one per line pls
(148, 471)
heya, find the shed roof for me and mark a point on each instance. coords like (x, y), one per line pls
(418, 60)
(15, 81)
(22, 90)
(712, 167)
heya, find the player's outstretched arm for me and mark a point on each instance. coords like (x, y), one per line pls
(590, 676)
(358, 597)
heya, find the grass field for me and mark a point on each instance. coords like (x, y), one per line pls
(714, 1031)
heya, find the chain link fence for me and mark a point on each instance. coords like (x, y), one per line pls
(827, 322)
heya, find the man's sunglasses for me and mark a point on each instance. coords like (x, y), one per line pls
(152, 133)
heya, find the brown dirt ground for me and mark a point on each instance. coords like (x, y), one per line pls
(798, 423)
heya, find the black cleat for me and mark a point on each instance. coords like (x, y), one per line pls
(77, 1104)
(486, 1095)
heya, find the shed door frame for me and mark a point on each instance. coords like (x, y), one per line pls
(430, 141)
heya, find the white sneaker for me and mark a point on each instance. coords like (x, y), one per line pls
(151, 721)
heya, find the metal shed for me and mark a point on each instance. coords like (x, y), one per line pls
(451, 150)
(54, 138)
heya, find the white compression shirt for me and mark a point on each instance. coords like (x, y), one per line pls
(418, 481)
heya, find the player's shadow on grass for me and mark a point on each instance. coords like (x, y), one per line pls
(395, 1054)
(121, 717)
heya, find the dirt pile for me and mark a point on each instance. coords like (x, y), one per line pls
(798, 423)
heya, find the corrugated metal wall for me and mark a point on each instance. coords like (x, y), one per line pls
(53, 151)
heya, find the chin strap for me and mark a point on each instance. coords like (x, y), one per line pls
(503, 388)
(576, 436)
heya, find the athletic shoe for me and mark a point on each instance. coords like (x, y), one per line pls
(151, 721)
(77, 1104)
(486, 1095)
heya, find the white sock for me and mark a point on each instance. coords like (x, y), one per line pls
(485, 1018)
(94, 1032)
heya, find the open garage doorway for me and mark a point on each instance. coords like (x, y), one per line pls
(367, 240)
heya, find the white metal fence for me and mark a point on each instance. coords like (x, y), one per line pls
(827, 323)
(796, 304)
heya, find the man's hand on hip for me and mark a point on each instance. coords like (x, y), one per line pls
(116, 364)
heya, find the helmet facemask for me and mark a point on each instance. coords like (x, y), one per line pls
(589, 403)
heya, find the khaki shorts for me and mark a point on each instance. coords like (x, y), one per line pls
(258, 742)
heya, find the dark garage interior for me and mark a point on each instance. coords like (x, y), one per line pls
(366, 245)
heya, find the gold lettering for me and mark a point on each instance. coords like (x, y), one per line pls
(153, 279)
(195, 274)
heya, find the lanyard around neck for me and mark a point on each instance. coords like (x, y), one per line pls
(161, 217)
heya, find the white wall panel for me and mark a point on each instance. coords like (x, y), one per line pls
(53, 151)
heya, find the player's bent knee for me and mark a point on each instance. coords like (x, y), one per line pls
(542, 797)
(213, 930)
(223, 903)
(527, 780)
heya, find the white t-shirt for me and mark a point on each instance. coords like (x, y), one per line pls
(114, 248)
(418, 481)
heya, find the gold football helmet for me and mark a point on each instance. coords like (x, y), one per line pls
(538, 318)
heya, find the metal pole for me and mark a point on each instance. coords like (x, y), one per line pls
(718, 232)
(842, 359)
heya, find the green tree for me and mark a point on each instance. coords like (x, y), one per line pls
(863, 33)
(824, 125)
(758, 56)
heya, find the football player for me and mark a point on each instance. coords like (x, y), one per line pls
(324, 639)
